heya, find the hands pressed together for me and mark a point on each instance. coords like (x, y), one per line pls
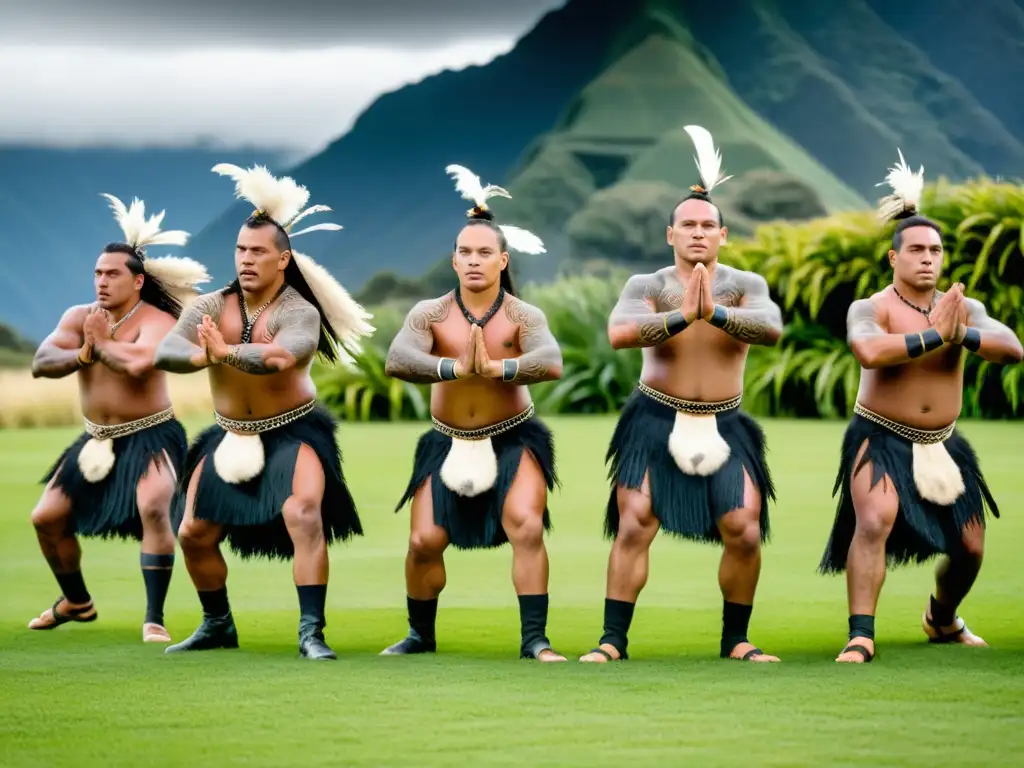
(945, 317)
(211, 341)
(95, 330)
(475, 361)
(698, 303)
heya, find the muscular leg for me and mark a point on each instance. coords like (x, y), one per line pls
(628, 565)
(876, 510)
(425, 576)
(200, 545)
(302, 517)
(954, 578)
(51, 519)
(153, 497)
(523, 520)
(739, 571)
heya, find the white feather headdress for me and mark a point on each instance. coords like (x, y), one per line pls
(178, 274)
(281, 200)
(907, 188)
(469, 186)
(708, 159)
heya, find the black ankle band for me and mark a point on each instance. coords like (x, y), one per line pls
(312, 602)
(735, 621)
(72, 586)
(147, 560)
(422, 616)
(533, 619)
(942, 615)
(215, 603)
(618, 615)
(862, 625)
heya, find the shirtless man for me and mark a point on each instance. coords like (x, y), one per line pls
(267, 476)
(481, 476)
(910, 485)
(684, 457)
(116, 480)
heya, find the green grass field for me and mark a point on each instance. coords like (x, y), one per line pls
(89, 695)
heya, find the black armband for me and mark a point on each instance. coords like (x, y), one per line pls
(509, 369)
(446, 369)
(932, 340)
(719, 316)
(972, 339)
(915, 344)
(675, 322)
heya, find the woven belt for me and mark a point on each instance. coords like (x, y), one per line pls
(264, 425)
(484, 432)
(914, 435)
(690, 406)
(112, 431)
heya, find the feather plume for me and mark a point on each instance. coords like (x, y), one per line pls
(522, 240)
(708, 159)
(140, 232)
(279, 199)
(317, 228)
(468, 185)
(312, 209)
(178, 274)
(348, 318)
(907, 188)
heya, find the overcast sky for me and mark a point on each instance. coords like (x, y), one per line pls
(173, 72)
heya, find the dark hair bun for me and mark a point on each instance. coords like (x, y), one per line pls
(480, 213)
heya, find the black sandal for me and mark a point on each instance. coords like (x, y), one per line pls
(73, 614)
(608, 656)
(862, 650)
(945, 637)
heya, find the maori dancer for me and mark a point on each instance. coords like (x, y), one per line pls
(481, 476)
(267, 477)
(117, 479)
(684, 457)
(910, 485)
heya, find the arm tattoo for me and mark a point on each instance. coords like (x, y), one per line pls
(862, 322)
(294, 327)
(409, 357)
(759, 320)
(636, 308)
(541, 358)
(987, 337)
(178, 347)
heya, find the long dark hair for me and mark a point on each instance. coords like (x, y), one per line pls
(484, 218)
(153, 291)
(293, 277)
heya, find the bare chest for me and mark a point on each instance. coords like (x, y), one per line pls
(672, 293)
(451, 336)
(903, 319)
(231, 324)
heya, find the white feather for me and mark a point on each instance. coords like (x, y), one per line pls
(907, 188)
(468, 185)
(708, 159)
(180, 275)
(348, 318)
(140, 232)
(312, 209)
(279, 199)
(522, 240)
(317, 228)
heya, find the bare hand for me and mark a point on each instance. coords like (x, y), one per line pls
(484, 365)
(211, 339)
(465, 365)
(945, 317)
(96, 326)
(693, 295)
(707, 301)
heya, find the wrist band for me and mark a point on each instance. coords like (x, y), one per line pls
(232, 356)
(931, 339)
(719, 316)
(446, 369)
(674, 323)
(915, 344)
(509, 369)
(971, 340)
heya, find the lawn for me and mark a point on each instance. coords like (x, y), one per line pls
(89, 695)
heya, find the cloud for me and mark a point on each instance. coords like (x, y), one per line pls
(199, 23)
(287, 98)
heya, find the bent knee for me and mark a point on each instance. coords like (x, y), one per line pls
(302, 515)
(875, 523)
(49, 519)
(526, 529)
(194, 535)
(427, 544)
(741, 531)
(974, 542)
(637, 524)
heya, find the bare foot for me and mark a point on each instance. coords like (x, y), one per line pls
(548, 655)
(957, 632)
(600, 658)
(155, 633)
(856, 657)
(68, 612)
(744, 648)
